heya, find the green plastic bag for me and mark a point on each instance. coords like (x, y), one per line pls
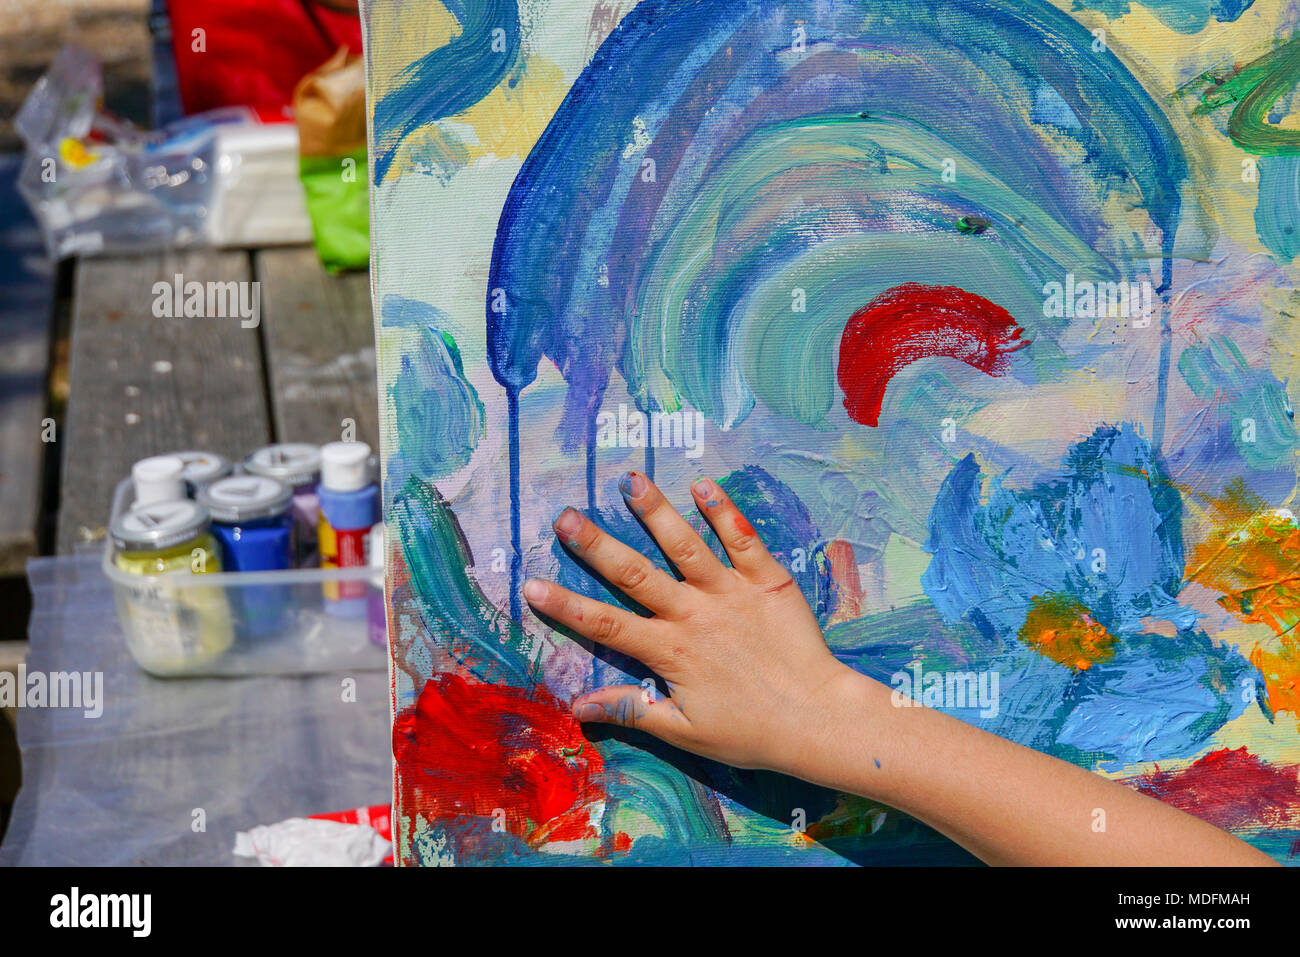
(339, 206)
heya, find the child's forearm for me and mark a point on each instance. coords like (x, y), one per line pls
(1005, 803)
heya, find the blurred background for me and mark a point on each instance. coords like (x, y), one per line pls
(142, 140)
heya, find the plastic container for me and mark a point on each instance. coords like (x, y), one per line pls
(156, 603)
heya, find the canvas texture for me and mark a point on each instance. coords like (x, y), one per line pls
(982, 312)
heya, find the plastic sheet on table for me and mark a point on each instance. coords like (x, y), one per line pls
(172, 769)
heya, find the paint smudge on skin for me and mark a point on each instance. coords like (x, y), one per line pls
(461, 733)
(1059, 627)
(1231, 789)
(911, 322)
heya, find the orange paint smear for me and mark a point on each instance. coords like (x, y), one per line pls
(1062, 628)
(741, 524)
(1253, 560)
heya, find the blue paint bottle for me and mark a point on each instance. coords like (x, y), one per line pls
(349, 507)
(253, 526)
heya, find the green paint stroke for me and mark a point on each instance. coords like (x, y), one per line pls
(1256, 88)
(457, 613)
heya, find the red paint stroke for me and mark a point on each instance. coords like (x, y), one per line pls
(844, 572)
(467, 748)
(1229, 789)
(911, 322)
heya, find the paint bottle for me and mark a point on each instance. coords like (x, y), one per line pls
(172, 625)
(349, 507)
(376, 609)
(202, 469)
(253, 527)
(160, 478)
(296, 464)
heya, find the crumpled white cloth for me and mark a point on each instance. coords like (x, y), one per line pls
(308, 842)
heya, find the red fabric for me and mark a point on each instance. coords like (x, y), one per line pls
(256, 50)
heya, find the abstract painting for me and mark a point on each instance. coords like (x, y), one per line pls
(983, 312)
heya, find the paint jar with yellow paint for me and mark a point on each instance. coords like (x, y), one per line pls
(172, 626)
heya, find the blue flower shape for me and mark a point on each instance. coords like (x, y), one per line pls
(1107, 537)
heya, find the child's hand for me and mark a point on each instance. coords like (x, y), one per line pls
(753, 685)
(739, 648)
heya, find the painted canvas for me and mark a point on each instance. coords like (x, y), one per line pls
(983, 311)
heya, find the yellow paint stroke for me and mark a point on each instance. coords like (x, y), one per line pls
(505, 123)
(1253, 559)
(1061, 627)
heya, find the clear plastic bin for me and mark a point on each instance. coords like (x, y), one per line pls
(244, 623)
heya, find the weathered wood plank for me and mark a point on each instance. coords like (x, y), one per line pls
(142, 385)
(26, 316)
(320, 347)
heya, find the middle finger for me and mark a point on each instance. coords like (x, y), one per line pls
(628, 571)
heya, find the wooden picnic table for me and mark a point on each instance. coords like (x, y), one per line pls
(142, 385)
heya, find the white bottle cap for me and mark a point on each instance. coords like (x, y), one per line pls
(345, 466)
(158, 479)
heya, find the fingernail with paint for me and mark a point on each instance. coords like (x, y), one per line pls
(568, 523)
(704, 488)
(632, 485)
(590, 711)
(534, 590)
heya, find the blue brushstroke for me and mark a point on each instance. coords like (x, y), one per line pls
(439, 416)
(450, 79)
(1184, 16)
(1248, 416)
(1277, 211)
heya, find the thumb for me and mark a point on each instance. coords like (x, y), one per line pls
(632, 706)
